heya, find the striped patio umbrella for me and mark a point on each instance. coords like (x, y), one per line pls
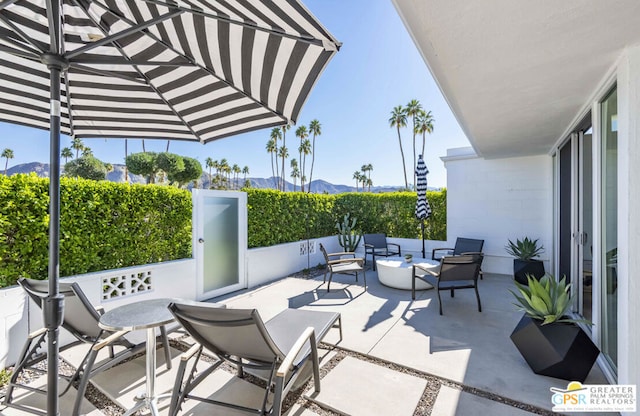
(196, 70)
(423, 209)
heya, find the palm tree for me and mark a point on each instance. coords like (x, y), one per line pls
(316, 129)
(399, 119)
(271, 148)
(424, 125)
(369, 183)
(284, 128)
(413, 109)
(86, 152)
(126, 153)
(302, 133)
(367, 169)
(7, 154)
(209, 164)
(216, 178)
(305, 150)
(283, 153)
(67, 154)
(77, 145)
(276, 134)
(236, 173)
(356, 176)
(245, 172)
(295, 172)
(224, 166)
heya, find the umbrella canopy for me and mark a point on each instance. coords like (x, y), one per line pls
(423, 209)
(195, 70)
(198, 70)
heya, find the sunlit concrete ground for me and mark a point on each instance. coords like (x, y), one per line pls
(394, 356)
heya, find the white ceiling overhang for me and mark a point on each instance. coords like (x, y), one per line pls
(517, 72)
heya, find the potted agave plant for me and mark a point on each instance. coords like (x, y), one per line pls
(551, 342)
(525, 251)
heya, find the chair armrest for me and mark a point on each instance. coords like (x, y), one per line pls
(394, 244)
(358, 260)
(344, 253)
(307, 335)
(433, 252)
(190, 352)
(369, 245)
(37, 333)
(426, 270)
(100, 310)
(113, 337)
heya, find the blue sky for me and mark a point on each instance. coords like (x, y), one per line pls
(377, 68)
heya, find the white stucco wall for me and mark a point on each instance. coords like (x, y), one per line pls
(497, 200)
(266, 264)
(628, 79)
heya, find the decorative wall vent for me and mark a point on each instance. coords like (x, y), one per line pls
(307, 247)
(118, 286)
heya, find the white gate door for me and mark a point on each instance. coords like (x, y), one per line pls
(219, 241)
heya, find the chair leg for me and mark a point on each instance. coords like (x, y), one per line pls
(373, 259)
(329, 284)
(325, 275)
(478, 297)
(316, 362)
(277, 397)
(364, 277)
(413, 288)
(82, 387)
(165, 345)
(439, 300)
(26, 356)
(452, 292)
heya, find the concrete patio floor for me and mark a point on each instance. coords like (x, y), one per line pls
(471, 349)
(397, 357)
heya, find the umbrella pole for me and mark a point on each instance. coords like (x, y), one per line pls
(422, 229)
(54, 303)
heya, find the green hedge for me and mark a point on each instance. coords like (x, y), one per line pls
(107, 225)
(276, 217)
(118, 225)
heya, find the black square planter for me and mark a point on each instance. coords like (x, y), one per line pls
(561, 350)
(521, 268)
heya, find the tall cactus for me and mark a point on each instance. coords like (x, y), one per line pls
(347, 237)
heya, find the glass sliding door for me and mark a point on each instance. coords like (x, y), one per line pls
(609, 223)
(575, 215)
(585, 223)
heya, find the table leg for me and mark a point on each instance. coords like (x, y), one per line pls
(148, 399)
(151, 362)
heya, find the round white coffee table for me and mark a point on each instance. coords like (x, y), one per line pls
(395, 272)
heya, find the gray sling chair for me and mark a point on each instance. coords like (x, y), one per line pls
(239, 336)
(455, 272)
(81, 320)
(463, 245)
(343, 263)
(376, 245)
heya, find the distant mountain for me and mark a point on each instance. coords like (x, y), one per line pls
(117, 175)
(42, 170)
